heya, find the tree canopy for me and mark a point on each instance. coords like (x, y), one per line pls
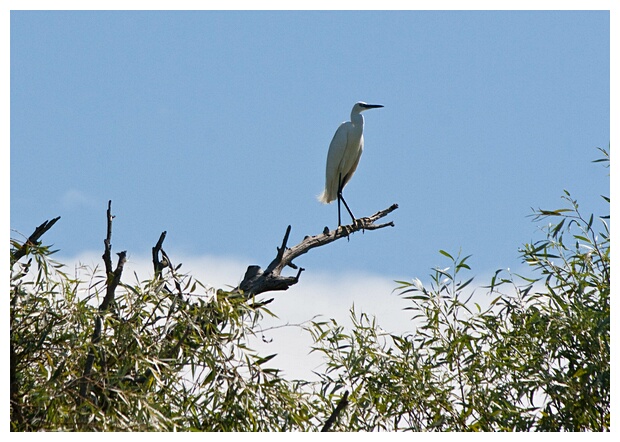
(96, 353)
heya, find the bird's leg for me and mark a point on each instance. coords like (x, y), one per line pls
(339, 211)
(341, 198)
(348, 210)
(339, 195)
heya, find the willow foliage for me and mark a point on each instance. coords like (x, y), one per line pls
(531, 353)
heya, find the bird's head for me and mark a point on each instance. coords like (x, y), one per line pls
(360, 107)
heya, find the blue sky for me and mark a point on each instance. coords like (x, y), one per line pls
(215, 125)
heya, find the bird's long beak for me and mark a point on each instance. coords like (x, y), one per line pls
(371, 106)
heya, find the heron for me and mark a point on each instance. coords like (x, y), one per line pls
(344, 155)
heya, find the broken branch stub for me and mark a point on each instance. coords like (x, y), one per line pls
(32, 240)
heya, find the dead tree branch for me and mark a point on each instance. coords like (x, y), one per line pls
(159, 265)
(107, 253)
(113, 279)
(258, 281)
(344, 400)
(16, 255)
(32, 239)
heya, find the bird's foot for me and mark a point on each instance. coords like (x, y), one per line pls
(358, 224)
(347, 230)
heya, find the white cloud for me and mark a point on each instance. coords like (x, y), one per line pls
(73, 198)
(324, 294)
(329, 295)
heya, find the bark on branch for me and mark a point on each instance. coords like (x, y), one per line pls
(258, 281)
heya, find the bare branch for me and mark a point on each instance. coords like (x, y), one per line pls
(32, 239)
(344, 400)
(113, 279)
(159, 265)
(107, 253)
(258, 281)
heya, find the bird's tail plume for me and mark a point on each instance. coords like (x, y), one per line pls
(324, 197)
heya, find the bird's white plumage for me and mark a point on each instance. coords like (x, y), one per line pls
(343, 157)
(344, 153)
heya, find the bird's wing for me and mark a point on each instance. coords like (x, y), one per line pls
(335, 157)
(351, 157)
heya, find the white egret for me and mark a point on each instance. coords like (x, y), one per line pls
(344, 155)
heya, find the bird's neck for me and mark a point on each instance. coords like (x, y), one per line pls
(357, 119)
